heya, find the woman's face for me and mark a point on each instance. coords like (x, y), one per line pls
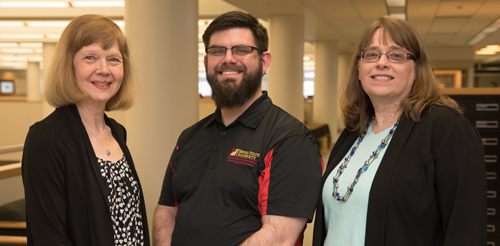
(384, 81)
(98, 72)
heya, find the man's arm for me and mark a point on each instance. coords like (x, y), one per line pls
(277, 230)
(163, 225)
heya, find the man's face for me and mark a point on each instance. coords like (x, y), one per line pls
(235, 78)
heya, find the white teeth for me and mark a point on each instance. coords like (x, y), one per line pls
(101, 84)
(229, 72)
(382, 77)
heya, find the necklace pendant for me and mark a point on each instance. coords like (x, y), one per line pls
(107, 152)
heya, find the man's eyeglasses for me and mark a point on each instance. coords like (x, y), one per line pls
(237, 50)
(392, 56)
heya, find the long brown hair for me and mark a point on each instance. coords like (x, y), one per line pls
(356, 106)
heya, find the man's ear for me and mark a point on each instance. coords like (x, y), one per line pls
(266, 61)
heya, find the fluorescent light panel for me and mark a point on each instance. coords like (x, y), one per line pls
(16, 50)
(31, 45)
(21, 36)
(8, 45)
(46, 23)
(34, 4)
(11, 23)
(98, 4)
(493, 27)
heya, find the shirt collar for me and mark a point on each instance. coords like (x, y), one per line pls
(252, 116)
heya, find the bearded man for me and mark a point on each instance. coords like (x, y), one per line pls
(250, 173)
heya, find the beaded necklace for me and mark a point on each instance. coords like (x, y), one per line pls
(365, 166)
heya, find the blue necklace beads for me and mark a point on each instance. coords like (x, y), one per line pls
(365, 166)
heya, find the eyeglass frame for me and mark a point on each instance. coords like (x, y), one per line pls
(232, 52)
(408, 56)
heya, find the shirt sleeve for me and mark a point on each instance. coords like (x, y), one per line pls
(167, 195)
(43, 172)
(291, 182)
(461, 185)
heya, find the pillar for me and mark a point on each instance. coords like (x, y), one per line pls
(163, 36)
(33, 81)
(286, 74)
(325, 85)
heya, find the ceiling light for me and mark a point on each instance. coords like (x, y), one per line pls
(34, 4)
(399, 15)
(35, 58)
(14, 64)
(53, 36)
(31, 45)
(491, 28)
(396, 3)
(21, 36)
(14, 58)
(13, 50)
(98, 4)
(46, 23)
(120, 23)
(8, 45)
(11, 23)
(485, 52)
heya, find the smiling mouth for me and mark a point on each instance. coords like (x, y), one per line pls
(101, 84)
(382, 77)
(229, 72)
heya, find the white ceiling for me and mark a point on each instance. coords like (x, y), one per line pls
(440, 22)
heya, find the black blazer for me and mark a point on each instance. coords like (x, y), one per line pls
(66, 196)
(430, 188)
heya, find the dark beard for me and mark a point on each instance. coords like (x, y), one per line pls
(226, 96)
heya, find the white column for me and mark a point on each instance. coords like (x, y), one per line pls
(33, 81)
(48, 53)
(344, 61)
(325, 84)
(286, 74)
(163, 36)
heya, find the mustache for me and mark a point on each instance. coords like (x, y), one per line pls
(230, 67)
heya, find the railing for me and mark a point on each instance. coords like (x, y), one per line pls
(11, 169)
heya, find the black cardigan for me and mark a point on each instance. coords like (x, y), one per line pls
(430, 188)
(66, 196)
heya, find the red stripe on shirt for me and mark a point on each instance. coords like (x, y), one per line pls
(264, 183)
(322, 164)
(173, 167)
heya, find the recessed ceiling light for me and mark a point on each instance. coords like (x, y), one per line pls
(46, 23)
(21, 36)
(34, 4)
(53, 36)
(25, 51)
(98, 4)
(8, 45)
(31, 45)
(12, 23)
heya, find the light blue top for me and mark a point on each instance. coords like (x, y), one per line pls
(346, 221)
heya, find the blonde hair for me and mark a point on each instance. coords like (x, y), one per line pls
(356, 106)
(60, 87)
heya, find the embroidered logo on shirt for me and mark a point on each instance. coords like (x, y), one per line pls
(243, 157)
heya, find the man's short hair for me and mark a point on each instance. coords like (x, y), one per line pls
(238, 19)
(60, 87)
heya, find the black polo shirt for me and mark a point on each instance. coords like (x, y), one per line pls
(224, 178)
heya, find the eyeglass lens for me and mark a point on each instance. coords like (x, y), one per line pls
(237, 50)
(392, 56)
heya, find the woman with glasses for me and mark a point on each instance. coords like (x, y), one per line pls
(408, 169)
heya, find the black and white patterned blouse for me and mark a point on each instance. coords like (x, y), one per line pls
(124, 202)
